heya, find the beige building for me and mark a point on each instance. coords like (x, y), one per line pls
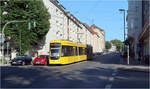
(99, 39)
(65, 26)
(89, 34)
(70, 28)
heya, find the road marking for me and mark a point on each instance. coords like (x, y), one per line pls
(111, 79)
(108, 86)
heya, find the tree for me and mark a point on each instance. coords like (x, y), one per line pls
(31, 11)
(119, 45)
(108, 45)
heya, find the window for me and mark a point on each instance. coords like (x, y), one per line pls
(67, 51)
(55, 50)
(81, 52)
(56, 10)
(76, 50)
(86, 51)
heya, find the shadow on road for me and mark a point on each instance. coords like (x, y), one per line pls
(43, 77)
(131, 79)
(21, 77)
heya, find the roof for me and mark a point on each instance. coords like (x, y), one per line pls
(71, 17)
(101, 30)
(88, 27)
(97, 27)
(56, 3)
(92, 29)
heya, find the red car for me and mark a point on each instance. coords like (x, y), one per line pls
(42, 59)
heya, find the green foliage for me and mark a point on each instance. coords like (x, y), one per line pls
(29, 10)
(108, 45)
(119, 45)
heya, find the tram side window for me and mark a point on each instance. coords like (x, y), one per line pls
(81, 51)
(67, 51)
(76, 51)
(86, 51)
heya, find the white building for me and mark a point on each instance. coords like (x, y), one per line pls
(99, 39)
(113, 48)
(64, 26)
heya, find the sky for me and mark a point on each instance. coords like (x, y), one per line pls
(103, 13)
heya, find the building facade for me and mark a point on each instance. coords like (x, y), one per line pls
(144, 36)
(113, 48)
(134, 25)
(65, 26)
(138, 28)
(99, 42)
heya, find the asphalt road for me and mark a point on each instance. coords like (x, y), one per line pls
(101, 72)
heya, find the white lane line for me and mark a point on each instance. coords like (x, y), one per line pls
(108, 86)
(111, 79)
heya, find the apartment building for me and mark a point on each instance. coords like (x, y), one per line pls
(64, 26)
(99, 42)
(134, 19)
(67, 27)
(144, 36)
(89, 34)
(138, 28)
(113, 48)
(73, 28)
(58, 25)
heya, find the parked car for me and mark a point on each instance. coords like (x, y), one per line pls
(21, 60)
(42, 59)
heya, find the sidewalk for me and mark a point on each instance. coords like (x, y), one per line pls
(134, 65)
(1, 64)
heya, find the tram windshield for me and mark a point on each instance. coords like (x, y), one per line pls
(55, 50)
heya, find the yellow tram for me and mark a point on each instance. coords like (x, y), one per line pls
(66, 52)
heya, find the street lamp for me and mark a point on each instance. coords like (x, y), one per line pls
(124, 11)
(3, 29)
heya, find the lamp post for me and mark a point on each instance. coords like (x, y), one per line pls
(124, 11)
(3, 29)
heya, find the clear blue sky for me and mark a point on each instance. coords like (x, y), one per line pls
(103, 13)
